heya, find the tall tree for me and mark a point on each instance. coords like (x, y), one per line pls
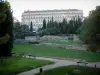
(70, 27)
(31, 27)
(92, 30)
(44, 24)
(52, 22)
(78, 25)
(6, 29)
(64, 26)
(48, 24)
(17, 30)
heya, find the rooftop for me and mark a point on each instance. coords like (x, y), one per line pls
(55, 10)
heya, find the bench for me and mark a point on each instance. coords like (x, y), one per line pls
(81, 62)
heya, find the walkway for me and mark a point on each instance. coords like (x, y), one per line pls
(58, 63)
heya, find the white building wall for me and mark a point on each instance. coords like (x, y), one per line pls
(37, 17)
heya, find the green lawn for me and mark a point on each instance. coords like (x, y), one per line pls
(56, 52)
(69, 71)
(13, 65)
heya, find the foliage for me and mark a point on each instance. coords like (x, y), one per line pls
(31, 27)
(44, 24)
(6, 29)
(4, 39)
(91, 30)
(64, 27)
(20, 31)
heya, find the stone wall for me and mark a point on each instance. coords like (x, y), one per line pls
(30, 38)
(60, 38)
(52, 38)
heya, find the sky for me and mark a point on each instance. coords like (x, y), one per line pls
(19, 6)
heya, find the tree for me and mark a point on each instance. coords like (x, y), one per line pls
(91, 30)
(78, 25)
(44, 24)
(52, 22)
(20, 31)
(48, 24)
(64, 27)
(31, 27)
(6, 29)
(70, 29)
(17, 30)
(24, 31)
(25, 28)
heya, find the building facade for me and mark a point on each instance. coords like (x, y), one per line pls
(37, 17)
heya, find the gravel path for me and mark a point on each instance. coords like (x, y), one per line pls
(58, 63)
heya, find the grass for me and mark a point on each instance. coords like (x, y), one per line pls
(63, 42)
(56, 52)
(14, 65)
(69, 71)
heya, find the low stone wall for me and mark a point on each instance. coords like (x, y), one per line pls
(52, 38)
(30, 38)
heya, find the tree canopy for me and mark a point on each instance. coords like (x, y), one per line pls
(91, 30)
(6, 29)
(53, 27)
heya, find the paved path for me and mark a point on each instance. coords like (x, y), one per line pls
(58, 63)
